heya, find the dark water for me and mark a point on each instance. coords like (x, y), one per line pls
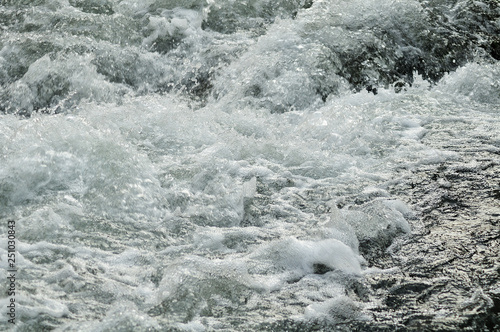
(223, 165)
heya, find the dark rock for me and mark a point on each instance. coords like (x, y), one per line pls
(321, 268)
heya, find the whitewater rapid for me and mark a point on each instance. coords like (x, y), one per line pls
(220, 165)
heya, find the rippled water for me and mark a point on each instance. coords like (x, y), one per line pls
(221, 164)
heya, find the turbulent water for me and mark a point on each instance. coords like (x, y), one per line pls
(221, 164)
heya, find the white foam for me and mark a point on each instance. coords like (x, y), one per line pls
(337, 309)
(125, 316)
(476, 82)
(46, 81)
(219, 207)
(297, 258)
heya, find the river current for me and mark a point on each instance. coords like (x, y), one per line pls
(199, 165)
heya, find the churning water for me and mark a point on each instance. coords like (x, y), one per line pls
(222, 164)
